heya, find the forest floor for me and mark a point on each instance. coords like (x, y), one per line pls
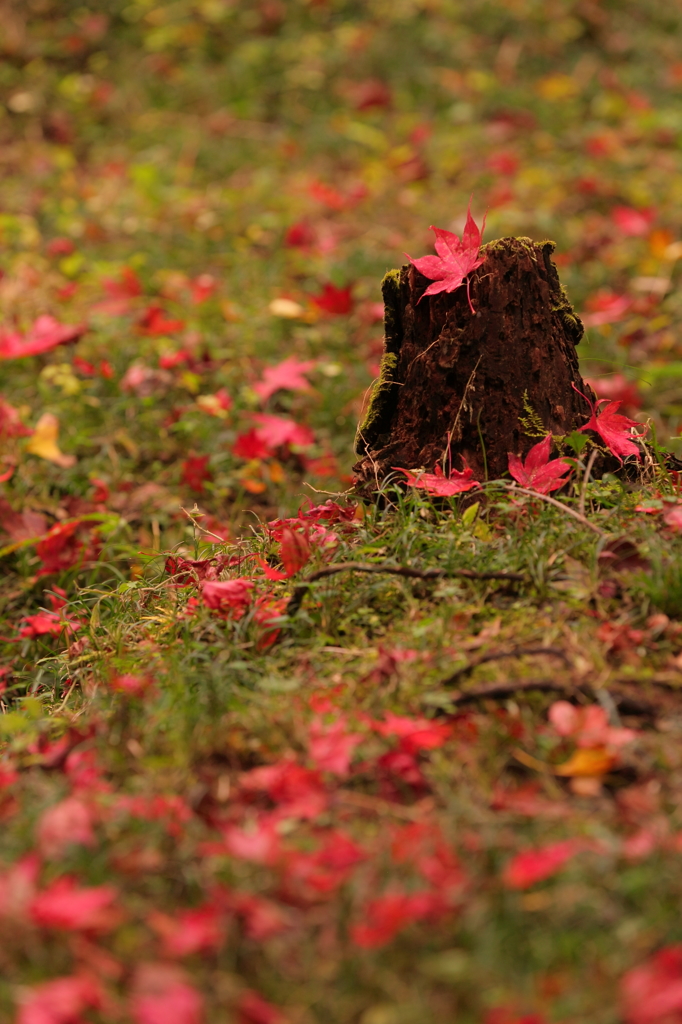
(241, 780)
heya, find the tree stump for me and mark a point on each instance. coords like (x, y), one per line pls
(484, 383)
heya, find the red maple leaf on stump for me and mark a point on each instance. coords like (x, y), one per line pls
(455, 260)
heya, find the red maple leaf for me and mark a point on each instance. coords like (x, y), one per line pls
(162, 996)
(275, 431)
(334, 301)
(613, 428)
(439, 485)
(633, 222)
(331, 746)
(537, 472)
(249, 445)
(531, 866)
(287, 375)
(45, 334)
(60, 1001)
(652, 992)
(154, 321)
(63, 905)
(227, 596)
(455, 258)
(195, 472)
(188, 931)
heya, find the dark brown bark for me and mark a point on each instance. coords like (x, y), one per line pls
(487, 383)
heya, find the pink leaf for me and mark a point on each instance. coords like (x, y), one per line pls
(287, 375)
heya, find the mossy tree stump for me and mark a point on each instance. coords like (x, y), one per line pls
(468, 380)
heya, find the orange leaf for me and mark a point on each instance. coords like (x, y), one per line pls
(594, 761)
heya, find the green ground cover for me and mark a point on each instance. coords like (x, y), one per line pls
(233, 793)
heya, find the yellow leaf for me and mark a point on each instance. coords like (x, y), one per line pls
(596, 761)
(43, 442)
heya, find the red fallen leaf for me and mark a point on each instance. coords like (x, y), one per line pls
(414, 733)
(46, 624)
(10, 421)
(154, 322)
(455, 260)
(287, 375)
(370, 93)
(202, 288)
(652, 992)
(100, 494)
(267, 611)
(62, 547)
(537, 473)
(328, 196)
(46, 333)
(162, 996)
(334, 301)
(188, 931)
(300, 236)
(60, 247)
(230, 598)
(253, 1009)
(504, 163)
(331, 746)
(251, 446)
(60, 1001)
(259, 843)
(21, 525)
(173, 359)
(606, 307)
(531, 866)
(66, 907)
(439, 485)
(195, 472)
(385, 916)
(120, 293)
(275, 431)
(633, 222)
(69, 821)
(294, 550)
(297, 791)
(131, 685)
(613, 428)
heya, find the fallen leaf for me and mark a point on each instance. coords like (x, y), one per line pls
(43, 442)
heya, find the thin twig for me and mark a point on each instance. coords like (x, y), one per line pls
(514, 652)
(494, 691)
(447, 454)
(588, 470)
(515, 489)
(392, 570)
